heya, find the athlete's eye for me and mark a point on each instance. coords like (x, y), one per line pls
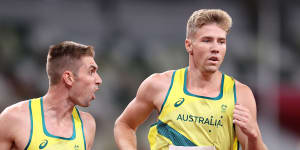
(205, 40)
(91, 71)
(222, 41)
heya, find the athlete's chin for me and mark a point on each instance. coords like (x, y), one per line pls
(85, 105)
(212, 69)
(88, 103)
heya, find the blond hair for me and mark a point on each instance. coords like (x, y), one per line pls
(64, 56)
(207, 16)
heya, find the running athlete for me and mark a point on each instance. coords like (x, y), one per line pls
(52, 122)
(199, 107)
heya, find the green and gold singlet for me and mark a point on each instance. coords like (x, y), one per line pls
(187, 119)
(41, 139)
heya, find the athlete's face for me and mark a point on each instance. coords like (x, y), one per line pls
(207, 48)
(86, 82)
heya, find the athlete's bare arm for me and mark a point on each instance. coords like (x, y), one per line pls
(89, 125)
(6, 136)
(244, 118)
(15, 127)
(150, 96)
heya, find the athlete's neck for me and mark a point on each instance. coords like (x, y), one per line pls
(57, 104)
(199, 81)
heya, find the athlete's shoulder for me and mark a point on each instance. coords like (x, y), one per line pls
(88, 120)
(162, 75)
(157, 79)
(16, 111)
(242, 88)
(14, 117)
(245, 95)
(156, 82)
(154, 86)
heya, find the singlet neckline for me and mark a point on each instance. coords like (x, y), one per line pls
(199, 96)
(54, 136)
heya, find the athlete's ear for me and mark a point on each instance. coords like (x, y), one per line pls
(188, 46)
(68, 78)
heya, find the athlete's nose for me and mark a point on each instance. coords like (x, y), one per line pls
(215, 47)
(98, 80)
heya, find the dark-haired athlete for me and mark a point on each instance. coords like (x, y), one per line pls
(52, 122)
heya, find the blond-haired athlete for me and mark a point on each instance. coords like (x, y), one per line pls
(199, 107)
(52, 122)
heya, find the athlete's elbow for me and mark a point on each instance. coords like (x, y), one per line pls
(122, 125)
(117, 123)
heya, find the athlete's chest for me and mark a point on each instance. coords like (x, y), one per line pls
(47, 134)
(63, 129)
(201, 112)
(185, 108)
(58, 144)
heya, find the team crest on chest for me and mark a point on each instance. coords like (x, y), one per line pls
(223, 108)
(76, 147)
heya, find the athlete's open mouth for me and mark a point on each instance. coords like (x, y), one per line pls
(213, 58)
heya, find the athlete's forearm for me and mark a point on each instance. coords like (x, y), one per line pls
(125, 137)
(256, 144)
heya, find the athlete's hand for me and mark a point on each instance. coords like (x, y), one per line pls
(245, 121)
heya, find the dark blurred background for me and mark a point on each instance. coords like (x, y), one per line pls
(135, 38)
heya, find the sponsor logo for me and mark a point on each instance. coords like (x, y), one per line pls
(43, 144)
(179, 102)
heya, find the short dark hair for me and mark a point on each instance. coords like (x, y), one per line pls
(65, 56)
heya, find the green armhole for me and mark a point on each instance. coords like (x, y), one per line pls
(162, 106)
(31, 126)
(81, 128)
(234, 91)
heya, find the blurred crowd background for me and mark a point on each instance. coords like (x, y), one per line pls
(135, 38)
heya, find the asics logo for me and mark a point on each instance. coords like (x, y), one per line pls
(179, 102)
(43, 144)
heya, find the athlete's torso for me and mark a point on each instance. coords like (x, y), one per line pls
(187, 119)
(41, 139)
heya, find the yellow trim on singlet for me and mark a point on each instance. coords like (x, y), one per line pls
(41, 139)
(187, 119)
